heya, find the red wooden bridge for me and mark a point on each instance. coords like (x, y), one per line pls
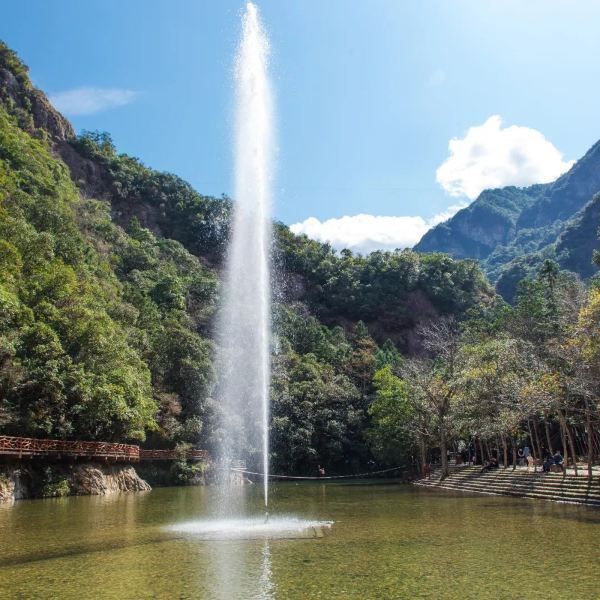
(173, 454)
(22, 447)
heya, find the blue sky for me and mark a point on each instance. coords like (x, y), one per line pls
(369, 95)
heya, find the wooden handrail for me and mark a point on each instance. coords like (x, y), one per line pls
(172, 454)
(22, 446)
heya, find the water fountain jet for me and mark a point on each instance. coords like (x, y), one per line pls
(244, 323)
(244, 326)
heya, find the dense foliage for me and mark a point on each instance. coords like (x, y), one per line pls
(69, 367)
(390, 291)
(102, 329)
(163, 202)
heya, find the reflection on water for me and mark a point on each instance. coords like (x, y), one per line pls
(388, 541)
(266, 587)
(239, 571)
(227, 569)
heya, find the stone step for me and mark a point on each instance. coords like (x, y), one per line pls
(539, 494)
(558, 484)
(541, 480)
(576, 499)
(522, 490)
(521, 487)
(532, 484)
(578, 481)
(506, 482)
(568, 500)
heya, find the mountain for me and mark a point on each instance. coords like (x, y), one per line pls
(109, 281)
(512, 230)
(567, 195)
(490, 221)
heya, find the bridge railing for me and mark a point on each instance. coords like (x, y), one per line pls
(172, 454)
(39, 447)
(22, 446)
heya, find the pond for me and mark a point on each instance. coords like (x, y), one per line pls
(388, 540)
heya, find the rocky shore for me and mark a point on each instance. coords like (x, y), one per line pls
(41, 480)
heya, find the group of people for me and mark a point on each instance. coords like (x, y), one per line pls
(555, 459)
(525, 458)
(548, 459)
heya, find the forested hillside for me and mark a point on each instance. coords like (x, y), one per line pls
(513, 230)
(505, 377)
(110, 281)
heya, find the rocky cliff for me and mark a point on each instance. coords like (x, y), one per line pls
(30, 106)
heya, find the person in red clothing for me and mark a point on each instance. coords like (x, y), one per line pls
(426, 471)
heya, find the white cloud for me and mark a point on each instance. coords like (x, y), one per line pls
(365, 233)
(89, 100)
(491, 156)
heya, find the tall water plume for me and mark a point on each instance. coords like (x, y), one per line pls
(244, 324)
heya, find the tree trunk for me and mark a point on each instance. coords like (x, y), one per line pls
(481, 451)
(537, 440)
(548, 438)
(567, 439)
(514, 453)
(423, 450)
(596, 439)
(563, 439)
(583, 439)
(505, 448)
(533, 449)
(572, 446)
(444, 450)
(590, 439)
(579, 443)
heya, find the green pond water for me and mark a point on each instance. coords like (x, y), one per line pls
(388, 541)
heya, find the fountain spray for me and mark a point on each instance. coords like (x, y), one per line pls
(244, 326)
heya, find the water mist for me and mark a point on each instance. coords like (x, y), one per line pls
(244, 324)
(243, 338)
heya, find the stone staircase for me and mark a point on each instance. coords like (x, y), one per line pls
(521, 483)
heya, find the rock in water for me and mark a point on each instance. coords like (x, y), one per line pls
(18, 482)
(96, 479)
